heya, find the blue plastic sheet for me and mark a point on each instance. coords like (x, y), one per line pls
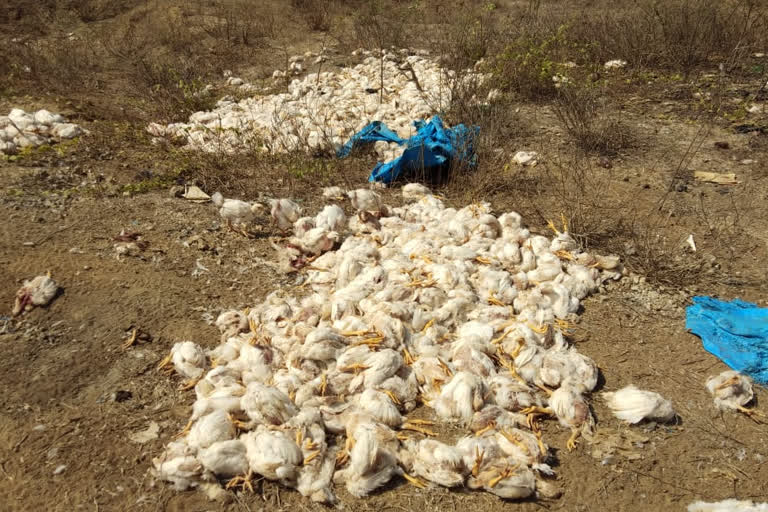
(736, 332)
(433, 146)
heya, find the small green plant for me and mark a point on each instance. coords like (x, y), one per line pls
(149, 184)
(526, 65)
(177, 89)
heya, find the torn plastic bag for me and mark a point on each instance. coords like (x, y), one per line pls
(735, 331)
(433, 146)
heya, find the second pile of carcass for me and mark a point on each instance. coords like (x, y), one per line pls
(459, 310)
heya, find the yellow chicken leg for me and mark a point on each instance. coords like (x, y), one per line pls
(407, 357)
(356, 367)
(494, 301)
(419, 429)
(479, 455)
(185, 430)
(752, 413)
(490, 426)
(165, 365)
(391, 396)
(515, 439)
(357, 333)
(572, 441)
(131, 340)
(416, 421)
(343, 456)
(535, 409)
(190, 384)
(244, 482)
(417, 482)
(239, 424)
(312, 456)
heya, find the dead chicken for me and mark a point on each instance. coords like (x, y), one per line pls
(39, 291)
(331, 218)
(364, 200)
(732, 390)
(414, 192)
(323, 344)
(371, 464)
(225, 459)
(567, 365)
(523, 447)
(316, 473)
(273, 454)
(188, 360)
(266, 405)
(511, 394)
(477, 450)
(572, 411)
(634, 405)
(381, 405)
(211, 428)
(284, 212)
(461, 397)
(378, 367)
(238, 214)
(231, 323)
(431, 373)
(178, 465)
(333, 193)
(504, 479)
(437, 462)
(492, 417)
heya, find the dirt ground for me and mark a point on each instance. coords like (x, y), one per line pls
(72, 397)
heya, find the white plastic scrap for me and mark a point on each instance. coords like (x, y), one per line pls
(526, 158)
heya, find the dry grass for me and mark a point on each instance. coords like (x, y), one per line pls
(591, 120)
(676, 34)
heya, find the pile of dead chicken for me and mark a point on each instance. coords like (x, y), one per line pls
(459, 310)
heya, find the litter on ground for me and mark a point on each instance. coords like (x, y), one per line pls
(728, 506)
(735, 331)
(193, 193)
(716, 177)
(526, 158)
(432, 147)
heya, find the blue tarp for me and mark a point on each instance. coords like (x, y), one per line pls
(736, 332)
(433, 146)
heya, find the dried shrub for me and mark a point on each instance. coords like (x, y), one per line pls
(317, 14)
(241, 22)
(589, 119)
